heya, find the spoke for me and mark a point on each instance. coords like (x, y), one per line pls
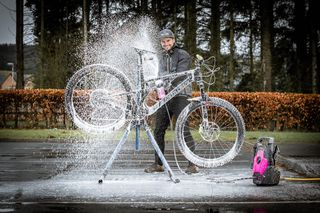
(212, 150)
(227, 120)
(220, 146)
(213, 140)
(98, 110)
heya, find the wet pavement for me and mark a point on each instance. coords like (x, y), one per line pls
(101, 207)
(57, 176)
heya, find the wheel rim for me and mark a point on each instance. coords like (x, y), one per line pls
(217, 139)
(97, 98)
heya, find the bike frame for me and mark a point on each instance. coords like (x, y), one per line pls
(193, 75)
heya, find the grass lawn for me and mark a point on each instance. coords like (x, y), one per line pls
(30, 134)
(251, 136)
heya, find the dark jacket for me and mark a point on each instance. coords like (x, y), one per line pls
(175, 60)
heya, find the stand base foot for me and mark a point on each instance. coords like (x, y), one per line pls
(176, 180)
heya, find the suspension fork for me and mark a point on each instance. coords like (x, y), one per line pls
(204, 99)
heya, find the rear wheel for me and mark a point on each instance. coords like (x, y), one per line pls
(98, 98)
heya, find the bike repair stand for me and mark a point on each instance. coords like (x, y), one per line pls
(153, 142)
(137, 123)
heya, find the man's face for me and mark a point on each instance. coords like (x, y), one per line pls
(167, 43)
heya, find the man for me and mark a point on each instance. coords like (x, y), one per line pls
(173, 59)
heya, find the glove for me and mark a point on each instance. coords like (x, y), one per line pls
(151, 98)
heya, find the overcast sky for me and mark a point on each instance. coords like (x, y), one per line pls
(7, 21)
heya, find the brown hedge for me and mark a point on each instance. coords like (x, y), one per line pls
(280, 111)
(260, 110)
(32, 108)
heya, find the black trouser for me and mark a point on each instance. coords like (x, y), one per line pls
(174, 106)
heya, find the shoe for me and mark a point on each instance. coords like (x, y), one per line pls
(154, 168)
(192, 169)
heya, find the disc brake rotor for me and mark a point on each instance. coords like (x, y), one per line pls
(209, 131)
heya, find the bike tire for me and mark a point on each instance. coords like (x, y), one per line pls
(98, 97)
(217, 143)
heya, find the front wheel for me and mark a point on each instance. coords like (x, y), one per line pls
(210, 134)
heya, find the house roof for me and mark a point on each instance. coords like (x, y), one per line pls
(4, 75)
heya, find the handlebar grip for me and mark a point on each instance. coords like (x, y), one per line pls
(199, 57)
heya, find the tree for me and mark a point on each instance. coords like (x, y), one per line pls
(266, 9)
(85, 20)
(215, 39)
(280, 38)
(300, 41)
(58, 34)
(314, 29)
(42, 44)
(232, 46)
(19, 44)
(251, 26)
(215, 29)
(190, 27)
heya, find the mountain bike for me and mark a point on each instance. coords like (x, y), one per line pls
(101, 98)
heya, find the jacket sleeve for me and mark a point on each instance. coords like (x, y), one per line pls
(183, 64)
(184, 61)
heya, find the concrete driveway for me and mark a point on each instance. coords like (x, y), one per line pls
(53, 175)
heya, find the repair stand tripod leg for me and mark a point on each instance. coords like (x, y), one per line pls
(155, 146)
(160, 154)
(115, 153)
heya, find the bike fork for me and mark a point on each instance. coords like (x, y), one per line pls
(204, 98)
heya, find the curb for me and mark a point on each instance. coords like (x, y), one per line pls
(297, 167)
